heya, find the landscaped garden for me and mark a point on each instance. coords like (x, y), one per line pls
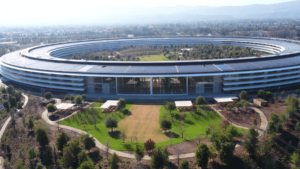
(138, 127)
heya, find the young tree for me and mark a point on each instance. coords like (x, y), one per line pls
(71, 97)
(107, 147)
(62, 140)
(246, 104)
(42, 137)
(86, 165)
(75, 147)
(113, 161)
(111, 122)
(251, 141)
(48, 95)
(212, 152)
(10, 89)
(274, 124)
(68, 158)
(182, 130)
(13, 102)
(123, 135)
(138, 154)
(6, 105)
(218, 138)
(177, 153)
(30, 123)
(88, 141)
(55, 156)
(82, 157)
(184, 164)
(122, 103)
(202, 154)
(159, 158)
(19, 105)
(170, 106)
(297, 127)
(243, 95)
(261, 94)
(83, 97)
(149, 145)
(78, 100)
(51, 108)
(165, 125)
(200, 100)
(40, 166)
(31, 153)
(3, 90)
(268, 95)
(226, 152)
(232, 130)
(295, 158)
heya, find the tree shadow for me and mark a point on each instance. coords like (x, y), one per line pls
(95, 156)
(54, 117)
(171, 165)
(31, 134)
(128, 146)
(171, 134)
(115, 134)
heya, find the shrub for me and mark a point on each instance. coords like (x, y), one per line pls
(232, 130)
(149, 145)
(202, 154)
(200, 100)
(122, 103)
(243, 95)
(111, 122)
(269, 95)
(113, 161)
(229, 105)
(184, 164)
(51, 107)
(19, 105)
(71, 97)
(78, 99)
(238, 104)
(67, 98)
(165, 124)
(159, 158)
(125, 111)
(42, 137)
(261, 94)
(83, 97)
(48, 95)
(62, 140)
(225, 104)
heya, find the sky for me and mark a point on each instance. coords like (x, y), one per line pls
(13, 11)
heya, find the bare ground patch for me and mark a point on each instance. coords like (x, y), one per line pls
(143, 123)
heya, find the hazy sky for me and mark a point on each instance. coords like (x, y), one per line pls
(17, 11)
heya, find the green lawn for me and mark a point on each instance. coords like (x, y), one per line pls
(201, 122)
(160, 57)
(97, 104)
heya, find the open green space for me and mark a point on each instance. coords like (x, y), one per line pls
(159, 57)
(198, 123)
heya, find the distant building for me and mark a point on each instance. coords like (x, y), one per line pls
(130, 36)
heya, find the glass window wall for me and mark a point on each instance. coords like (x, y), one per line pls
(105, 85)
(169, 85)
(201, 84)
(137, 85)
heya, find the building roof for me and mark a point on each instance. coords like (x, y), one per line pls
(226, 99)
(183, 103)
(64, 106)
(109, 103)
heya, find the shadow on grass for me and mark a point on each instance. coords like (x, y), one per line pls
(171, 134)
(128, 146)
(53, 117)
(115, 134)
(31, 134)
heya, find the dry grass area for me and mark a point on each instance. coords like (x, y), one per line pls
(143, 123)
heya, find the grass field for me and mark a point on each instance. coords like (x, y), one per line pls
(144, 124)
(160, 57)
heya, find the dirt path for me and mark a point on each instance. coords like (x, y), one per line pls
(143, 123)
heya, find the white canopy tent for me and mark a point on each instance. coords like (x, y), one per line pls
(109, 103)
(226, 99)
(183, 103)
(64, 106)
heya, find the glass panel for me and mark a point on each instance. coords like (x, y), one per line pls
(201, 84)
(167, 85)
(105, 85)
(138, 85)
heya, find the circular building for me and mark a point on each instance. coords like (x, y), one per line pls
(43, 67)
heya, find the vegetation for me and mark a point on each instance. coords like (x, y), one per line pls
(62, 140)
(48, 95)
(113, 161)
(159, 158)
(202, 154)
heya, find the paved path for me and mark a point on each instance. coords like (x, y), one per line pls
(5, 125)
(123, 154)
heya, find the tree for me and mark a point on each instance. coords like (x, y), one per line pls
(40, 166)
(19, 105)
(246, 104)
(75, 147)
(297, 127)
(48, 95)
(283, 93)
(274, 124)
(201, 155)
(269, 95)
(71, 97)
(295, 158)
(212, 152)
(170, 106)
(13, 102)
(182, 129)
(6, 105)
(10, 89)
(3, 90)
(226, 152)
(31, 153)
(184, 164)
(88, 141)
(78, 100)
(30, 123)
(86, 165)
(200, 100)
(165, 125)
(82, 157)
(55, 156)
(138, 154)
(261, 94)
(159, 158)
(218, 138)
(46, 156)
(68, 158)
(83, 97)
(62, 140)
(149, 145)
(122, 103)
(113, 161)
(243, 95)
(107, 147)
(232, 130)
(111, 122)
(123, 135)
(264, 147)
(178, 152)
(238, 105)
(51, 108)
(42, 137)
(251, 141)
(19, 164)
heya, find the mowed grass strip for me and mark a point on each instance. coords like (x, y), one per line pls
(143, 123)
(159, 57)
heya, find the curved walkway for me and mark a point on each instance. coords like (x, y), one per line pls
(120, 153)
(7, 122)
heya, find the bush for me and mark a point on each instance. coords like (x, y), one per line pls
(71, 97)
(159, 158)
(113, 161)
(37, 117)
(200, 100)
(238, 104)
(67, 98)
(19, 105)
(229, 105)
(188, 121)
(232, 130)
(165, 124)
(83, 97)
(51, 107)
(243, 95)
(62, 140)
(125, 111)
(269, 95)
(184, 164)
(202, 154)
(225, 104)
(111, 122)
(48, 95)
(122, 103)
(78, 99)
(261, 94)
